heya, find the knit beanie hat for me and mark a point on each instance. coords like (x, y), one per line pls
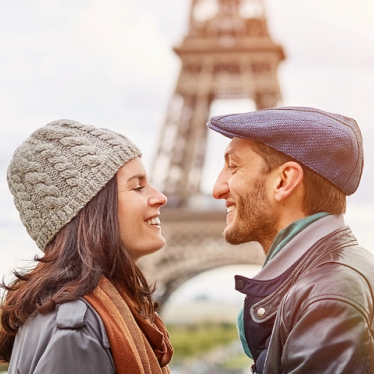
(59, 169)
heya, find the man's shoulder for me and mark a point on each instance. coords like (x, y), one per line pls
(344, 274)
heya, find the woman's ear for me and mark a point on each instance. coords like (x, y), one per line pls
(290, 176)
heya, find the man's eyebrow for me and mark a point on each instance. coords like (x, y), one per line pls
(137, 176)
(230, 153)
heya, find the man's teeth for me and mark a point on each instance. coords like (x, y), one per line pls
(231, 208)
(154, 221)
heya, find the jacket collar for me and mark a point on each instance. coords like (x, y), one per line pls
(292, 251)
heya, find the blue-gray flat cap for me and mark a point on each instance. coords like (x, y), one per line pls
(328, 143)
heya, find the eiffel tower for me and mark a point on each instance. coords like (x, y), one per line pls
(227, 54)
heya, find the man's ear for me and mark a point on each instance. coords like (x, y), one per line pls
(290, 176)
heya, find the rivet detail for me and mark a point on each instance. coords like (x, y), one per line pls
(261, 312)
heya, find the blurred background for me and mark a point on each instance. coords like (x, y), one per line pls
(111, 64)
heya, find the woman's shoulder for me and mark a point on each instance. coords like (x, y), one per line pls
(79, 314)
(71, 316)
(73, 329)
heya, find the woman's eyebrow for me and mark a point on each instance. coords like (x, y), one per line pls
(136, 176)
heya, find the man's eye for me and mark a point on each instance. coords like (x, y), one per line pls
(138, 188)
(231, 166)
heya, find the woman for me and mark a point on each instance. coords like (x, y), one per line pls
(84, 197)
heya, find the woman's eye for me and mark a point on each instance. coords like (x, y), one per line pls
(138, 188)
(230, 166)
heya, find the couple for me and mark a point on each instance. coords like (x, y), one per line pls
(84, 197)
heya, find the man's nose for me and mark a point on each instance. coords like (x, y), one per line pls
(220, 188)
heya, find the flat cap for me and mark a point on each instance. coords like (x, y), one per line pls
(329, 144)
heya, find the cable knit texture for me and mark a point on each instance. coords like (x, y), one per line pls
(59, 169)
(328, 143)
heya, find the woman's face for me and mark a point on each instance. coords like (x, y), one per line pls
(139, 209)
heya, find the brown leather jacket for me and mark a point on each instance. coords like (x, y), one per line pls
(324, 311)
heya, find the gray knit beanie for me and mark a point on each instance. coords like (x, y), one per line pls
(59, 169)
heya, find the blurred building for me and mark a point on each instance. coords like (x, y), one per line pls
(226, 54)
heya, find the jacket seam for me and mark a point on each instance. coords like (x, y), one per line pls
(366, 358)
(328, 297)
(345, 299)
(370, 317)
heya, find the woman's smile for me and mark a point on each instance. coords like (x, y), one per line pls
(155, 221)
(137, 199)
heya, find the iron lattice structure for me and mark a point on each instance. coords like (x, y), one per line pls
(227, 53)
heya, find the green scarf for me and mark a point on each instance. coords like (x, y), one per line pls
(287, 234)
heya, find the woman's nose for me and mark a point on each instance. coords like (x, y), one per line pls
(158, 198)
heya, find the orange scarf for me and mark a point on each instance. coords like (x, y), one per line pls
(137, 345)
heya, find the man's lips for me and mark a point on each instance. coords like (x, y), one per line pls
(230, 207)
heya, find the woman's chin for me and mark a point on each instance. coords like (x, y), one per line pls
(161, 244)
(137, 253)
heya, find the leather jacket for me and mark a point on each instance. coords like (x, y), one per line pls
(323, 311)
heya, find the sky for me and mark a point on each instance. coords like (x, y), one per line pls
(110, 63)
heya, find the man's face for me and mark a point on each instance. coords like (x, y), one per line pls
(246, 189)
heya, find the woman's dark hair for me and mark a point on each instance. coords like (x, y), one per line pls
(86, 248)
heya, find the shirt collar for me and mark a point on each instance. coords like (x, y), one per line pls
(288, 233)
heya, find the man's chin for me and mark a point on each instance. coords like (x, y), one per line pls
(232, 236)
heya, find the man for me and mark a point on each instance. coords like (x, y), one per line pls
(286, 176)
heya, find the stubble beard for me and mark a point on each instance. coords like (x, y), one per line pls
(255, 219)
